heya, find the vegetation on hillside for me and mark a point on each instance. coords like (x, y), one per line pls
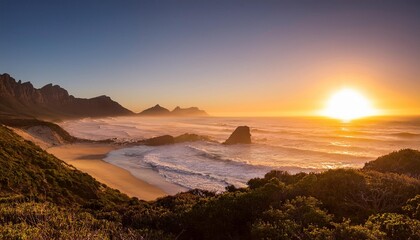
(29, 171)
(41, 197)
(405, 161)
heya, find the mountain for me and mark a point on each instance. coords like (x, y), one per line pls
(19, 99)
(157, 110)
(192, 111)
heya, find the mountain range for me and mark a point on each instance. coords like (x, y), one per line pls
(52, 102)
(21, 99)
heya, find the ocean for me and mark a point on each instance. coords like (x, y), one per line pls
(290, 144)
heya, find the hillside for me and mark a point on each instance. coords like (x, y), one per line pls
(19, 99)
(29, 171)
(405, 161)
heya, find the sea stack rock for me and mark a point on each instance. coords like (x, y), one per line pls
(240, 135)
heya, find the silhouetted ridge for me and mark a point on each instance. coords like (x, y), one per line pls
(51, 101)
(158, 110)
(192, 111)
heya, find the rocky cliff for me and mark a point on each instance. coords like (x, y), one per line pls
(19, 99)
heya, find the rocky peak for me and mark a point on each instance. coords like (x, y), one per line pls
(54, 94)
(156, 110)
(17, 98)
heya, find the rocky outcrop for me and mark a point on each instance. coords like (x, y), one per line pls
(158, 141)
(188, 137)
(240, 135)
(168, 139)
(192, 111)
(51, 102)
(157, 110)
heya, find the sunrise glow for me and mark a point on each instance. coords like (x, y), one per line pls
(348, 104)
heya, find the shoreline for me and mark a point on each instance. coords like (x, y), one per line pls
(88, 158)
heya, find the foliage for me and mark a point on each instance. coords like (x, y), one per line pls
(293, 220)
(345, 231)
(48, 221)
(395, 226)
(412, 208)
(28, 170)
(405, 161)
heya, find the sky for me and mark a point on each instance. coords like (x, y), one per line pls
(242, 58)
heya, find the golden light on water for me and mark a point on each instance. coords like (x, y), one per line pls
(348, 104)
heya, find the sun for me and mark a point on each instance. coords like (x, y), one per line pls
(348, 104)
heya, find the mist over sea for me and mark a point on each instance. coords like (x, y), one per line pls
(292, 144)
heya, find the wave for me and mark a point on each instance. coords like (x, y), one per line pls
(213, 156)
(405, 135)
(165, 168)
(313, 152)
(190, 166)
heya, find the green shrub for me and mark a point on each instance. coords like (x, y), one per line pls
(395, 226)
(405, 161)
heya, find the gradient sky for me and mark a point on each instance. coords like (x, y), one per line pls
(228, 57)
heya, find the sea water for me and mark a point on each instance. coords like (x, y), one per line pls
(290, 144)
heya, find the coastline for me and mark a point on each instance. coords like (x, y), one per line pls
(88, 158)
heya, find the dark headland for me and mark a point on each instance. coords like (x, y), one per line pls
(21, 99)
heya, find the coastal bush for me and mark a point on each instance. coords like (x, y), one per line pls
(356, 195)
(412, 208)
(345, 231)
(395, 226)
(293, 220)
(48, 221)
(405, 161)
(348, 193)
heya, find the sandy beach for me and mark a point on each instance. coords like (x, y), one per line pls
(87, 157)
